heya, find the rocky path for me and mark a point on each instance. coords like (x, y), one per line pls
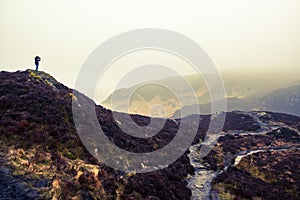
(238, 157)
(200, 183)
(12, 187)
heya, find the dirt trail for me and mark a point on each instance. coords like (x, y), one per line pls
(200, 183)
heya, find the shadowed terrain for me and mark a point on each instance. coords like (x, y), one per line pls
(42, 157)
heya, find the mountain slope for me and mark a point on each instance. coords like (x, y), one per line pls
(45, 157)
(42, 156)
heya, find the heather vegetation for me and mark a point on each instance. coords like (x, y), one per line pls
(42, 156)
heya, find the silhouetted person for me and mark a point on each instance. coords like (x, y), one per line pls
(37, 59)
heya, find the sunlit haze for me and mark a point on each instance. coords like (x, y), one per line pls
(239, 36)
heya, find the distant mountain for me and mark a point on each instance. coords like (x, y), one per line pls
(285, 100)
(251, 93)
(232, 104)
(140, 98)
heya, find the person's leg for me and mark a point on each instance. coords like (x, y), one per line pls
(37, 66)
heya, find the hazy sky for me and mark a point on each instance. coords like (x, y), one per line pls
(239, 35)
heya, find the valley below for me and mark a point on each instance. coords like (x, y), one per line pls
(201, 183)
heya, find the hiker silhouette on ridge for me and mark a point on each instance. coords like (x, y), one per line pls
(37, 59)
